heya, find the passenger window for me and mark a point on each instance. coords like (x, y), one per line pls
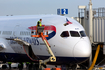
(83, 34)
(74, 34)
(65, 34)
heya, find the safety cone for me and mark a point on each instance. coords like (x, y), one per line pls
(56, 68)
(47, 69)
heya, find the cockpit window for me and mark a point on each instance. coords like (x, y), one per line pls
(65, 34)
(83, 34)
(74, 34)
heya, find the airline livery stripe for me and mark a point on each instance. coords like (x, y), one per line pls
(50, 27)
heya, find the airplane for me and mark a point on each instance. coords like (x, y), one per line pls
(67, 39)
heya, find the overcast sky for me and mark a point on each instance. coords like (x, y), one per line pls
(33, 7)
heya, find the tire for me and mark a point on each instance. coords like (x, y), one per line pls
(4, 66)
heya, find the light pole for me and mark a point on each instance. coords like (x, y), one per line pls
(90, 22)
(90, 28)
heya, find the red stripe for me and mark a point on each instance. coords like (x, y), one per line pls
(69, 22)
(50, 27)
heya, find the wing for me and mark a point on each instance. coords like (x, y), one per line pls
(2, 46)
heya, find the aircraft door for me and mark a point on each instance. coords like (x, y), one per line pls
(16, 31)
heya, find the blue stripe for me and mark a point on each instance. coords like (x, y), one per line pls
(51, 35)
(15, 57)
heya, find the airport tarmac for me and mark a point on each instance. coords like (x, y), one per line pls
(14, 66)
(16, 69)
(33, 69)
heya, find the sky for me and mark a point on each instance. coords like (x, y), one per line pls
(34, 7)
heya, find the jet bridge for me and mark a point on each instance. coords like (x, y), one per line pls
(93, 20)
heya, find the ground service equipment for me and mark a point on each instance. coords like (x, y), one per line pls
(40, 32)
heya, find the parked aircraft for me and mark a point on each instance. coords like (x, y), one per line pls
(67, 38)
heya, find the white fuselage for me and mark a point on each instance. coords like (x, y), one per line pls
(67, 48)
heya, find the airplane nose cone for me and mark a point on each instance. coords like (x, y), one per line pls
(82, 50)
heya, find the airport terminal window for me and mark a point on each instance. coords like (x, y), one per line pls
(83, 34)
(65, 34)
(74, 34)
